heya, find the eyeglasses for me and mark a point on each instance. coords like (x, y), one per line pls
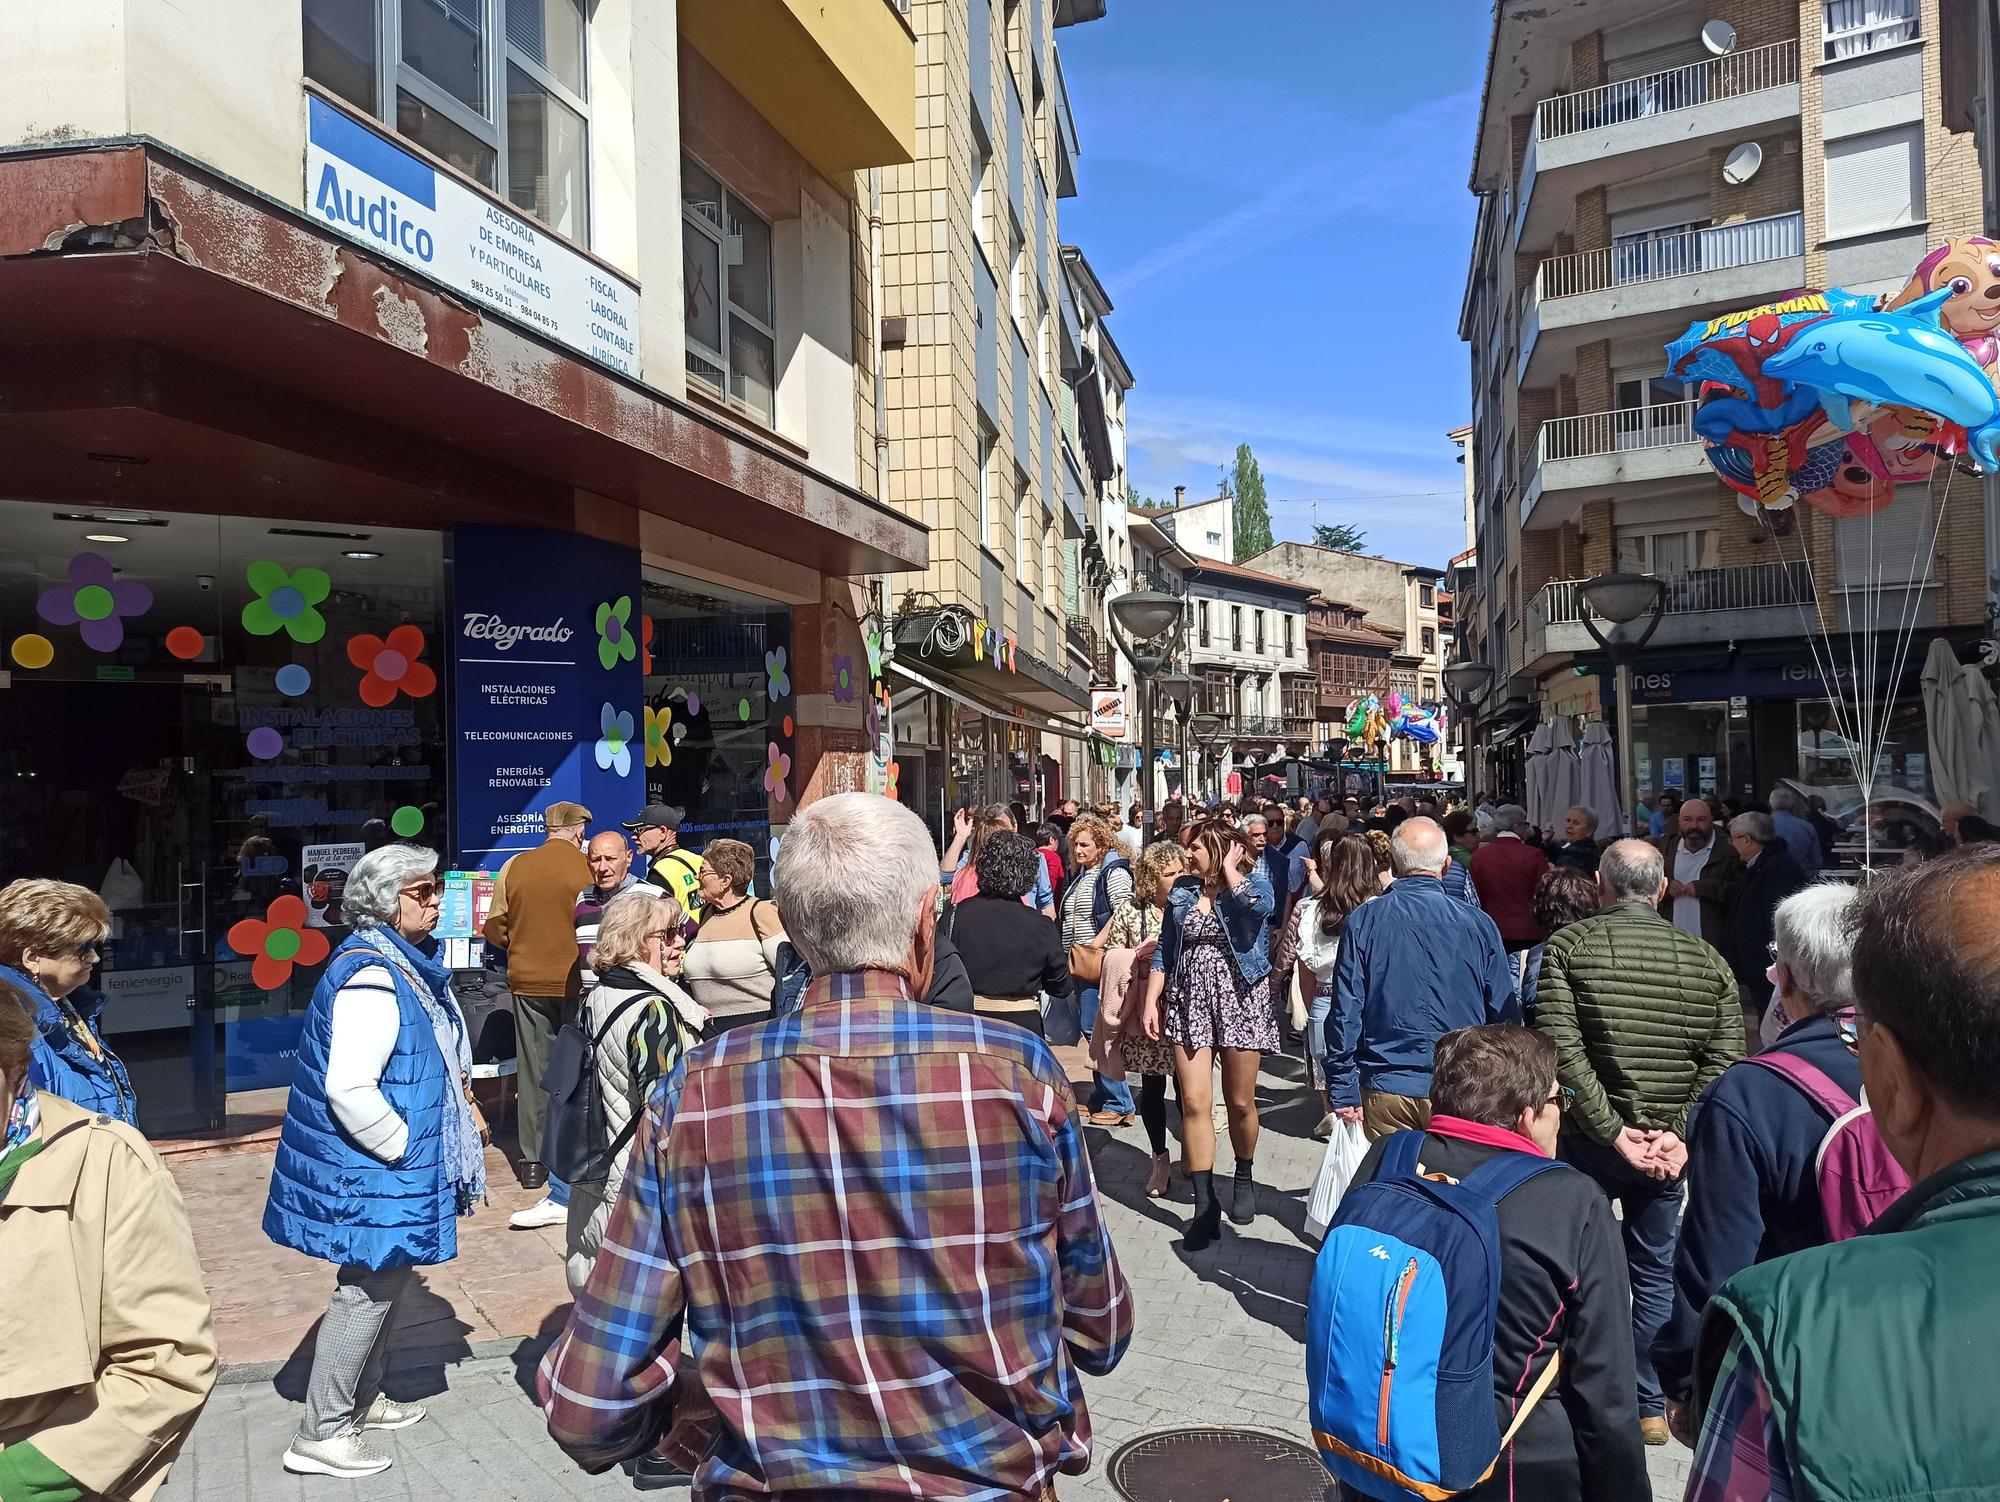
(422, 892)
(673, 938)
(1563, 1097)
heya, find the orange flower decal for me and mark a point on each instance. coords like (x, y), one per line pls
(389, 666)
(279, 941)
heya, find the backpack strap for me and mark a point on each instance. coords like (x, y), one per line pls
(1815, 1082)
(1503, 1173)
(619, 1011)
(1400, 1154)
(756, 932)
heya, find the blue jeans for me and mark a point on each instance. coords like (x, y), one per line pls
(558, 1190)
(1105, 1095)
(1652, 1217)
(1316, 1014)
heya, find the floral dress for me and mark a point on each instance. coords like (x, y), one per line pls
(1132, 925)
(1208, 1006)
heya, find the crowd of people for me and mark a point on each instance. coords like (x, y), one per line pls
(831, 1220)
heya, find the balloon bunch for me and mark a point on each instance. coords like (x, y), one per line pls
(1416, 723)
(1367, 723)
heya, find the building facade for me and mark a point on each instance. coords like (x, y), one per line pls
(415, 414)
(1640, 167)
(1247, 647)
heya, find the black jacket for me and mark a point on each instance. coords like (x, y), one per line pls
(1767, 881)
(1578, 855)
(1562, 1285)
(1008, 948)
(1751, 1153)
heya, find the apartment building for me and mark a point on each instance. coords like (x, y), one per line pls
(416, 412)
(1640, 166)
(1247, 647)
(1350, 660)
(982, 335)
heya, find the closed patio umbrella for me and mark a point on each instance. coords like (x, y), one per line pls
(1537, 772)
(1964, 723)
(1599, 791)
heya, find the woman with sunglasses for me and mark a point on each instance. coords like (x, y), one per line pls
(382, 1149)
(50, 932)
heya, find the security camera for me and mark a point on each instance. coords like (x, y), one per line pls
(206, 581)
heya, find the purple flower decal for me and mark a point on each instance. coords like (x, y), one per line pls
(843, 678)
(96, 601)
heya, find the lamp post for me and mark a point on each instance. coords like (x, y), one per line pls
(1147, 624)
(1207, 728)
(1467, 683)
(1178, 689)
(1623, 599)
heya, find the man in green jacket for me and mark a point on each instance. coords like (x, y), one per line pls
(1643, 1016)
(1865, 1370)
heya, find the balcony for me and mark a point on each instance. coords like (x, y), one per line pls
(1619, 131)
(1655, 284)
(836, 77)
(1752, 602)
(1635, 448)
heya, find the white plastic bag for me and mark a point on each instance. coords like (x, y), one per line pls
(1344, 1151)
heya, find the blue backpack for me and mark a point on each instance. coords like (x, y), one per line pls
(1399, 1327)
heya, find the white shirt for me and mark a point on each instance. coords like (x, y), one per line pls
(1688, 866)
(366, 1019)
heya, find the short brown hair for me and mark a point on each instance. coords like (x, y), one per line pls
(731, 859)
(1101, 830)
(17, 1030)
(1492, 1074)
(49, 917)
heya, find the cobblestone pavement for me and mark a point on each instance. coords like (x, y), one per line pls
(1220, 1340)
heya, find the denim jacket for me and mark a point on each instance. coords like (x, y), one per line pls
(1246, 919)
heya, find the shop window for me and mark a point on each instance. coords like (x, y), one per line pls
(442, 70)
(732, 343)
(720, 690)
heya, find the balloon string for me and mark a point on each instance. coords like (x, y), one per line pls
(1824, 665)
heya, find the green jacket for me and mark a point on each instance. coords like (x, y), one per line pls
(1643, 1018)
(1881, 1354)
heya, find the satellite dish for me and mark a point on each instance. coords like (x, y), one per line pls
(1719, 37)
(1741, 164)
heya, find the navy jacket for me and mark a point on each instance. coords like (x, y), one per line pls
(1414, 964)
(1755, 1191)
(1767, 881)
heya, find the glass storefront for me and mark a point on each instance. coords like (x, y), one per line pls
(208, 720)
(719, 707)
(1684, 748)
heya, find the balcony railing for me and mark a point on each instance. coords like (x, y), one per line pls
(1752, 586)
(1259, 727)
(1671, 253)
(1683, 88)
(1615, 432)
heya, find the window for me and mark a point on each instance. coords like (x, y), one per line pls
(1260, 633)
(989, 483)
(1201, 617)
(1853, 27)
(1668, 550)
(1891, 550)
(495, 88)
(1874, 181)
(1430, 695)
(1430, 639)
(726, 271)
(982, 195)
(1236, 628)
(1020, 558)
(1426, 596)
(1288, 636)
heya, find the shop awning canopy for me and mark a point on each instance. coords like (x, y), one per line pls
(1513, 724)
(1073, 731)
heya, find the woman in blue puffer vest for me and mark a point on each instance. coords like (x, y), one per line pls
(381, 1150)
(50, 932)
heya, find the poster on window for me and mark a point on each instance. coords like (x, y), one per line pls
(323, 877)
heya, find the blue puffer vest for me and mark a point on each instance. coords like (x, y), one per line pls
(329, 1197)
(60, 1064)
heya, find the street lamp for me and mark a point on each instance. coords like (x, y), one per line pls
(1147, 624)
(1622, 599)
(1206, 727)
(1466, 684)
(1179, 689)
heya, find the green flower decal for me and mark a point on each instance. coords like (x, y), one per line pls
(287, 602)
(615, 641)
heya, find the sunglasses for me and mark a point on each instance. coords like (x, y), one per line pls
(1563, 1097)
(422, 892)
(668, 936)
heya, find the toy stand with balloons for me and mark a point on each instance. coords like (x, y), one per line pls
(1836, 399)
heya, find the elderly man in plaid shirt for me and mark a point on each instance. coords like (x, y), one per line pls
(858, 1251)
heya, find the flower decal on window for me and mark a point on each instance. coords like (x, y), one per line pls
(659, 736)
(776, 769)
(389, 666)
(779, 681)
(278, 941)
(843, 678)
(287, 602)
(895, 770)
(871, 721)
(614, 740)
(96, 601)
(646, 646)
(615, 641)
(872, 640)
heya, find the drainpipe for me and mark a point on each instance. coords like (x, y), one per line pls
(875, 313)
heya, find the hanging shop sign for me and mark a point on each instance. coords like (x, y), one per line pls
(546, 690)
(365, 187)
(1108, 715)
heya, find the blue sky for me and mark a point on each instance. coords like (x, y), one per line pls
(1274, 193)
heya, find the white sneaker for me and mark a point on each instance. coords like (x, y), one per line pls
(387, 1413)
(347, 1454)
(544, 1212)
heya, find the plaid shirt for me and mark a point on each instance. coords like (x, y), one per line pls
(1740, 1456)
(880, 1223)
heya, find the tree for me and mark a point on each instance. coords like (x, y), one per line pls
(1250, 513)
(1343, 536)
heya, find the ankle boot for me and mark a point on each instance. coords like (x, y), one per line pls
(1243, 1203)
(1207, 1223)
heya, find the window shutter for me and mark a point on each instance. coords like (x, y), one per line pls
(1655, 60)
(1899, 550)
(1874, 181)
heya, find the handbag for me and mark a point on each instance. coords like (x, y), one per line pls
(1086, 962)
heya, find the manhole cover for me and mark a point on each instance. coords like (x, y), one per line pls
(1218, 1465)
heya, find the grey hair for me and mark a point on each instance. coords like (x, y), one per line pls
(1418, 847)
(853, 872)
(1783, 800)
(1632, 868)
(1758, 827)
(1814, 929)
(1586, 812)
(378, 878)
(1258, 819)
(625, 922)
(1509, 817)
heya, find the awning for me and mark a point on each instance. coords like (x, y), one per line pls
(1513, 725)
(1051, 727)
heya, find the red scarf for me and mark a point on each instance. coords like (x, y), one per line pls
(1458, 1128)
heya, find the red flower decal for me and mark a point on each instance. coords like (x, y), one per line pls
(389, 666)
(279, 941)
